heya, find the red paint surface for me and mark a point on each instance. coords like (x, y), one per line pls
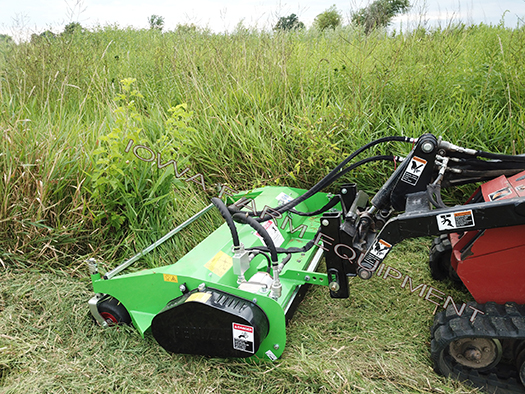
(491, 263)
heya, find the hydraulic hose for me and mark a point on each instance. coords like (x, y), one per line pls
(364, 161)
(335, 200)
(258, 252)
(245, 219)
(332, 203)
(331, 177)
(223, 209)
(304, 249)
(498, 156)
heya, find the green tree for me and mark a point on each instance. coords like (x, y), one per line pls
(329, 19)
(72, 27)
(5, 39)
(48, 35)
(156, 22)
(290, 22)
(379, 13)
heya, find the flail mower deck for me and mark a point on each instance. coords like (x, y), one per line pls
(232, 295)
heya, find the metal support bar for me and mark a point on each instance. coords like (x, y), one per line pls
(93, 302)
(127, 263)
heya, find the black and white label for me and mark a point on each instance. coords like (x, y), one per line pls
(270, 355)
(451, 221)
(243, 338)
(273, 232)
(283, 198)
(381, 249)
(414, 170)
(377, 253)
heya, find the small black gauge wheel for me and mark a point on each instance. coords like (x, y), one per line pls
(113, 312)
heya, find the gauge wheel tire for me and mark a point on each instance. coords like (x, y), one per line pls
(113, 312)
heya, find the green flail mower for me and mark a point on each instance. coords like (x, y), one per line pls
(233, 294)
(218, 299)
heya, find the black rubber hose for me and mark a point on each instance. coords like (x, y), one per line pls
(333, 202)
(258, 252)
(304, 249)
(328, 179)
(364, 161)
(498, 156)
(245, 219)
(223, 209)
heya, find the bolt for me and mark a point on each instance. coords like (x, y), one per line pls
(472, 354)
(486, 349)
(334, 286)
(276, 346)
(306, 278)
(478, 361)
(182, 288)
(202, 287)
(427, 147)
(344, 191)
(254, 300)
(324, 222)
(364, 274)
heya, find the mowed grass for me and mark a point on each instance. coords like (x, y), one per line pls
(268, 109)
(377, 341)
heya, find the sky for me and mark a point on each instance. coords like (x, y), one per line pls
(23, 17)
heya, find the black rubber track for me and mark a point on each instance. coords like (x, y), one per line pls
(503, 322)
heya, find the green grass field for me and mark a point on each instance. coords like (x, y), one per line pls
(245, 109)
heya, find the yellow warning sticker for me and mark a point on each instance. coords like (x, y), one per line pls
(171, 278)
(199, 297)
(219, 264)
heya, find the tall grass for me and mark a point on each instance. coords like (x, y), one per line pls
(268, 109)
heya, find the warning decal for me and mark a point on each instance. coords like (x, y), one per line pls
(274, 233)
(377, 253)
(414, 170)
(381, 249)
(171, 278)
(243, 337)
(219, 264)
(450, 221)
(500, 194)
(283, 198)
(199, 297)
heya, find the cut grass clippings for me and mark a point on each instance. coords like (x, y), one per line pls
(377, 341)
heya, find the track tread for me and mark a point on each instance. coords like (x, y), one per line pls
(498, 321)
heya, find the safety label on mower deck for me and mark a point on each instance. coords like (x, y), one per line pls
(273, 232)
(219, 264)
(243, 337)
(414, 170)
(453, 220)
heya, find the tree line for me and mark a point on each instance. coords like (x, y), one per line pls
(377, 14)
